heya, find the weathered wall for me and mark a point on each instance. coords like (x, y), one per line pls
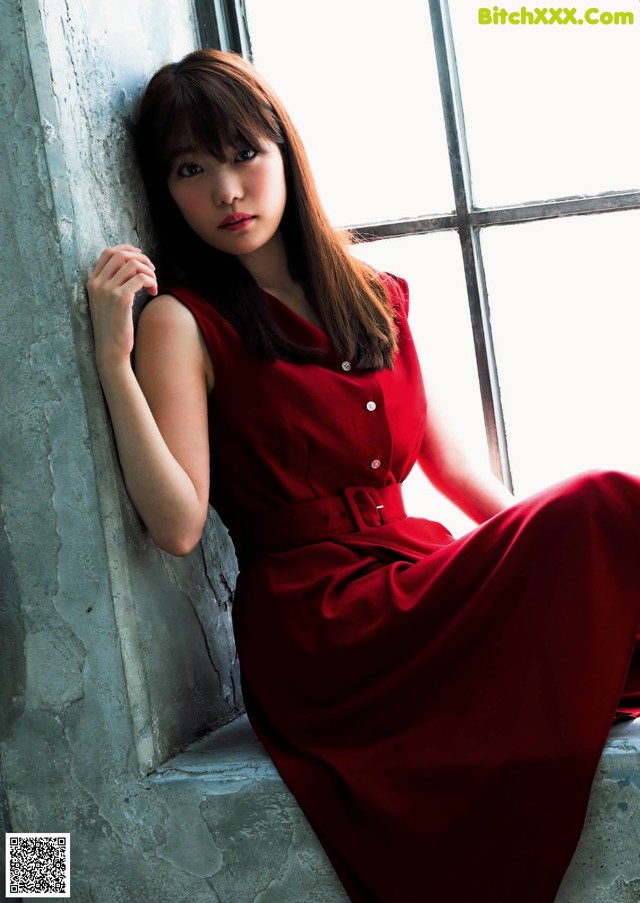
(112, 655)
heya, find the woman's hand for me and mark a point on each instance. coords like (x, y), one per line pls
(119, 273)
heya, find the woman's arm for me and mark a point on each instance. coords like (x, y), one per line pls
(444, 461)
(159, 414)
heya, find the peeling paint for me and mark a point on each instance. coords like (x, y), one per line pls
(49, 132)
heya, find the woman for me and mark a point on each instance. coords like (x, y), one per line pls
(437, 706)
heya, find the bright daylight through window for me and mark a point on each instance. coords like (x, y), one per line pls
(543, 116)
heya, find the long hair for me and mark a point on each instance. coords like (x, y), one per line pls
(215, 99)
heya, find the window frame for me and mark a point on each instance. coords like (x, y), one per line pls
(223, 24)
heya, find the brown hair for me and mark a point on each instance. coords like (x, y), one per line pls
(215, 100)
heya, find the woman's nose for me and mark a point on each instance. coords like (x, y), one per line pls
(227, 188)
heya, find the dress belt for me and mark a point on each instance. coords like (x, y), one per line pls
(357, 508)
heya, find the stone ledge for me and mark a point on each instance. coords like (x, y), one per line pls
(230, 755)
(605, 868)
(256, 845)
(606, 864)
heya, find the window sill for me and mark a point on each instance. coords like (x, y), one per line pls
(232, 766)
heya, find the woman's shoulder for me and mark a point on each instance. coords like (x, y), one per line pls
(168, 337)
(176, 298)
(186, 296)
(166, 313)
(180, 302)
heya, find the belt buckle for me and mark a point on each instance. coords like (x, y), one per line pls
(365, 505)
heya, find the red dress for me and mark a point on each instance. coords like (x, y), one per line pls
(437, 706)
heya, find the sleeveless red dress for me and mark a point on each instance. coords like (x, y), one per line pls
(437, 706)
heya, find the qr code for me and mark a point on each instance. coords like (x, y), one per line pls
(38, 865)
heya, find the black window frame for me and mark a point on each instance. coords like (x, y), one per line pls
(223, 24)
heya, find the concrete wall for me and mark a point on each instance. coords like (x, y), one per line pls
(112, 655)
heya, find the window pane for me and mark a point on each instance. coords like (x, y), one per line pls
(565, 311)
(550, 110)
(439, 317)
(359, 80)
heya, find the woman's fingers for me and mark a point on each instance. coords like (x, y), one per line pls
(116, 267)
(138, 281)
(119, 273)
(116, 275)
(108, 254)
(112, 259)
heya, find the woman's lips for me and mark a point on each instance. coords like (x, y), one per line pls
(236, 222)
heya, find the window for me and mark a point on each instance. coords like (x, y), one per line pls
(473, 149)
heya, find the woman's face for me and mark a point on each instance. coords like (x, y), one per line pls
(236, 205)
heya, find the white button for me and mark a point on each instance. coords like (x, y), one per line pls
(371, 406)
(375, 464)
(346, 365)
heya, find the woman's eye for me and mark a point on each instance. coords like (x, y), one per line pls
(245, 155)
(185, 170)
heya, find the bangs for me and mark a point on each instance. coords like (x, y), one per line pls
(211, 121)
